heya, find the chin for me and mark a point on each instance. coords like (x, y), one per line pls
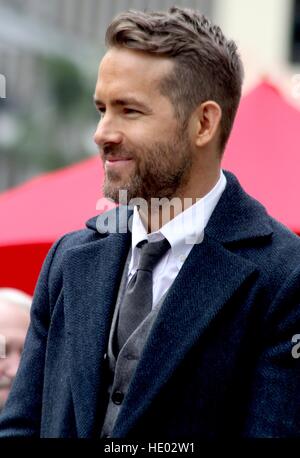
(112, 193)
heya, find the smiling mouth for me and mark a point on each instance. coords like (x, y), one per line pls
(117, 159)
(117, 162)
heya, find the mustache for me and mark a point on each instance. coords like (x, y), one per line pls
(5, 382)
(115, 151)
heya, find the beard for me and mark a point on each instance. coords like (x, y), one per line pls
(160, 171)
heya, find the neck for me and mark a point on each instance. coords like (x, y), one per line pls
(161, 211)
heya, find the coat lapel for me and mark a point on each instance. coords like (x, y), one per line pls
(208, 279)
(92, 274)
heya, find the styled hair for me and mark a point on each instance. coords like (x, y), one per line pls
(207, 66)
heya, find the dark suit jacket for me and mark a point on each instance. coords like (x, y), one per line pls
(218, 361)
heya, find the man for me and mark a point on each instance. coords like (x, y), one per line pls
(144, 325)
(14, 322)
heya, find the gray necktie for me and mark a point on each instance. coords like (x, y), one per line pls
(137, 300)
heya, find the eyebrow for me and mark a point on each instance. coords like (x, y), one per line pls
(122, 102)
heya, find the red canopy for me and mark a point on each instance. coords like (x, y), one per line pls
(264, 152)
(35, 214)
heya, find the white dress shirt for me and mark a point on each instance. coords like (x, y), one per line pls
(182, 232)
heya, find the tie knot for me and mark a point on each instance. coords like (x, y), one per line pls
(151, 253)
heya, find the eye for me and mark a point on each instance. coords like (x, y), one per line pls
(130, 110)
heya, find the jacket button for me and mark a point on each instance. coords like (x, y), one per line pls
(130, 357)
(117, 397)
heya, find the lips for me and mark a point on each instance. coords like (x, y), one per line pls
(117, 158)
(118, 163)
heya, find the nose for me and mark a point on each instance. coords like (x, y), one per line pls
(107, 132)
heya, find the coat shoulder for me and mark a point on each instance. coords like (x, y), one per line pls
(53, 264)
(283, 235)
(285, 244)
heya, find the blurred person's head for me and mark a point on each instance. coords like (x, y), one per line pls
(14, 322)
(168, 90)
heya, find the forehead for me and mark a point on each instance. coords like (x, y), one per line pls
(134, 71)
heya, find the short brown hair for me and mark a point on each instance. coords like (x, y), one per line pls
(207, 65)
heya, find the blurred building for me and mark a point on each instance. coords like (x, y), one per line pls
(268, 34)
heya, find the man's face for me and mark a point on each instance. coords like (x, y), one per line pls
(14, 322)
(143, 147)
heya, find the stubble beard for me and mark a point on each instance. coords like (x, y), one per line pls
(159, 172)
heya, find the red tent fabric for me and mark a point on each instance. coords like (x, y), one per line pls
(37, 213)
(264, 152)
(46, 207)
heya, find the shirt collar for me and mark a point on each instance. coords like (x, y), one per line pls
(187, 228)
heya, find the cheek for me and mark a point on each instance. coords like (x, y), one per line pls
(151, 130)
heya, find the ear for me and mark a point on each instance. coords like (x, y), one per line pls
(207, 118)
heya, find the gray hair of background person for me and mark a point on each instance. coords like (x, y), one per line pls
(15, 296)
(207, 65)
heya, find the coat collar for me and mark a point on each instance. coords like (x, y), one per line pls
(92, 274)
(236, 217)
